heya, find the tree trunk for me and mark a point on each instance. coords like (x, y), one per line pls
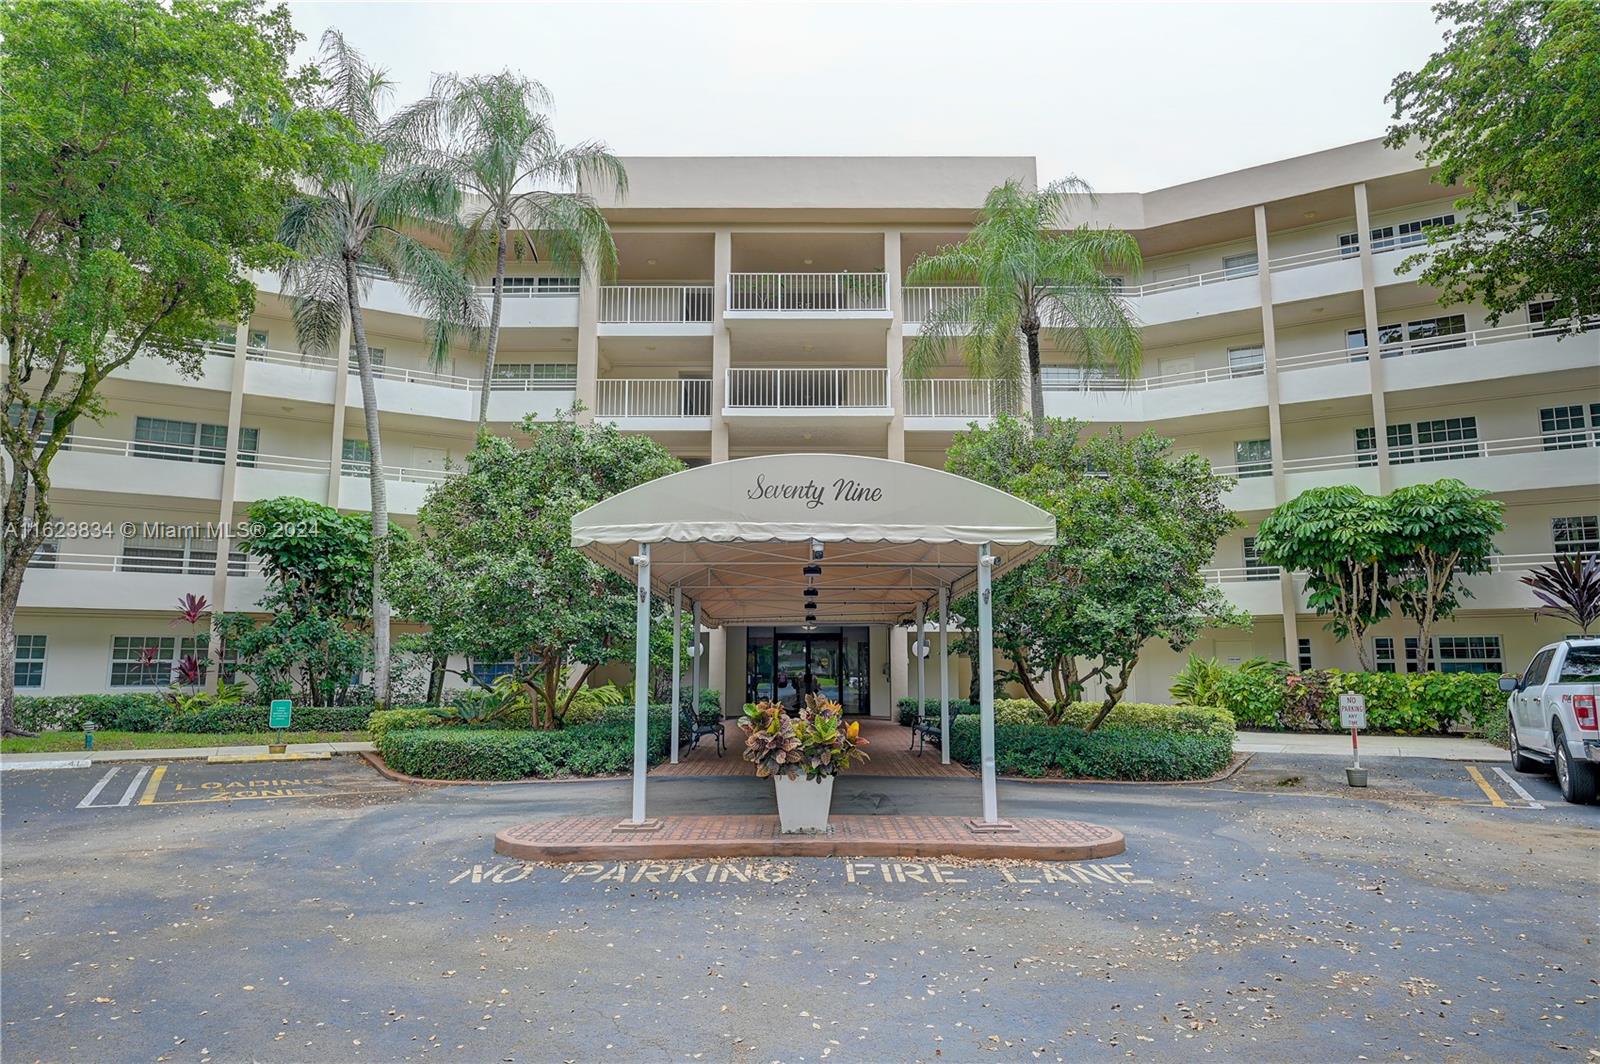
(1363, 655)
(1035, 379)
(376, 486)
(494, 324)
(1113, 694)
(21, 540)
(436, 679)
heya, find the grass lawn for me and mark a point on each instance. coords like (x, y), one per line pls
(121, 740)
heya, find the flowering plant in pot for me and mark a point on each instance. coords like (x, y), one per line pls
(802, 755)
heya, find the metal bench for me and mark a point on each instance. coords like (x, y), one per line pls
(694, 727)
(924, 730)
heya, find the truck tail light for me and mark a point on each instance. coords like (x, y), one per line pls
(1583, 709)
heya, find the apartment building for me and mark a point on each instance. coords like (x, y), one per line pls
(760, 308)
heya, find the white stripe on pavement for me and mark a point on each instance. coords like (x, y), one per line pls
(1514, 785)
(127, 795)
(23, 766)
(94, 792)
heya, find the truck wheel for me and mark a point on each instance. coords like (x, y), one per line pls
(1576, 779)
(1521, 761)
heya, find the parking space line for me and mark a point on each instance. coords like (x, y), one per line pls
(1483, 784)
(149, 796)
(94, 792)
(133, 787)
(1515, 786)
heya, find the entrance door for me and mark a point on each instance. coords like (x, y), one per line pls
(785, 666)
(808, 665)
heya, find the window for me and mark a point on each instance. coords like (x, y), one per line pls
(1304, 655)
(1246, 361)
(47, 424)
(1435, 334)
(156, 437)
(1402, 450)
(1416, 232)
(141, 660)
(543, 286)
(1446, 438)
(356, 458)
(1539, 318)
(1383, 653)
(1253, 569)
(376, 354)
(1575, 535)
(29, 668)
(44, 555)
(564, 373)
(1073, 376)
(213, 449)
(1253, 457)
(489, 671)
(1470, 653)
(249, 447)
(1582, 665)
(1240, 265)
(1563, 427)
(1390, 341)
(197, 557)
(1382, 237)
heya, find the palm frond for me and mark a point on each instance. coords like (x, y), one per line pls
(434, 286)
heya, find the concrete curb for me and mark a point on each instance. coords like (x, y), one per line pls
(25, 766)
(87, 758)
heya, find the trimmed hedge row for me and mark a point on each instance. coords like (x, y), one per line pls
(906, 709)
(461, 753)
(1407, 703)
(1201, 720)
(147, 712)
(1108, 753)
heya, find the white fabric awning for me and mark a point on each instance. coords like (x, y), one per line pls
(736, 536)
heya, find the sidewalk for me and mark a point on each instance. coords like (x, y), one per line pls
(1443, 748)
(85, 758)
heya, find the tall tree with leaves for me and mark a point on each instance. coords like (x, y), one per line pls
(1443, 531)
(370, 212)
(1135, 525)
(1510, 107)
(1345, 540)
(493, 572)
(497, 136)
(148, 150)
(1021, 274)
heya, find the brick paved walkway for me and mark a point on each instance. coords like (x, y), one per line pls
(886, 743)
(598, 838)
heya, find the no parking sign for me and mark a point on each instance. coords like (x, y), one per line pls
(1352, 711)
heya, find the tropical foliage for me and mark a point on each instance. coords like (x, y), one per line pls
(494, 133)
(1509, 108)
(1023, 273)
(492, 570)
(816, 744)
(369, 211)
(148, 149)
(1568, 588)
(1135, 526)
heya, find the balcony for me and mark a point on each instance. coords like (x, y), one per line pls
(1257, 588)
(660, 403)
(949, 403)
(656, 309)
(86, 581)
(407, 487)
(1521, 463)
(93, 463)
(775, 392)
(808, 296)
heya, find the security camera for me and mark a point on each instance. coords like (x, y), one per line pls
(816, 550)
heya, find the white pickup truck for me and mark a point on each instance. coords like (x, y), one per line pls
(1554, 722)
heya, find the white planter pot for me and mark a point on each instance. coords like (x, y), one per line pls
(803, 804)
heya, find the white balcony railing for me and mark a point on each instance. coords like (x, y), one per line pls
(1498, 563)
(961, 397)
(665, 304)
(1428, 345)
(922, 301)
(516, 288)
(808, 389)
(787, 293)
(1443, 451)
(1094, 382)
(653, 398)
(360, 470)
(182, 558)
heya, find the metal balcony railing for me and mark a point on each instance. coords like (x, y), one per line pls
(808, 389)
(961, 397)
(664, 304)
(653, 398)
(787, 293)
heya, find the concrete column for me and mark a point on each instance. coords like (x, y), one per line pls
(1288, 599)
(1369, 313)
(895, 348)
(721, 341)
(230, 466)
(922, 670)
(641, 682)
(944, 675)
(899, 669)
(588, 337)
(677, 653)
(991, 805)
(341, 396)
(717, 663)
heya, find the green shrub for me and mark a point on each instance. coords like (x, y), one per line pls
(71, 712)
(522, 753)
(400, 720)
(1255, 698)
(906, 709)
(1017, 711)
(239, 718)
(1408, 703)
(1119, 753)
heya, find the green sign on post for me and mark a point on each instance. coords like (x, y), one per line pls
(281, 710)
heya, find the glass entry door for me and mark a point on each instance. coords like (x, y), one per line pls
(785, 666)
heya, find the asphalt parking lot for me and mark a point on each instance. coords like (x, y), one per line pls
(316, 911)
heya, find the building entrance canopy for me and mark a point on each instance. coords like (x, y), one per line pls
(840, 539)
(736, 536)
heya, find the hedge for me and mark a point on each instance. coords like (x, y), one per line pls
(460, 753)
(399, 719)
(149, 712)
(1115, 753)
(906, 709)
(1408, 703)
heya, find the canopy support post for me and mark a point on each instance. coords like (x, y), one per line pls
(922, 687)
(677, 654)
(694, 663)
(641, 691)
(944, 675)
(991, 806)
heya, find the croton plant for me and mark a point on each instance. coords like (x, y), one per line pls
(817, 744)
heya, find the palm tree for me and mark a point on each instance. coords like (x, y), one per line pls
(363, 214)
(1028, 274)
(501, 144)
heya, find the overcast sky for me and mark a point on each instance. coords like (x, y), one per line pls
(1129, 96)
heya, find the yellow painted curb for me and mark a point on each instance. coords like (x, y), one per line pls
(243, 759)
